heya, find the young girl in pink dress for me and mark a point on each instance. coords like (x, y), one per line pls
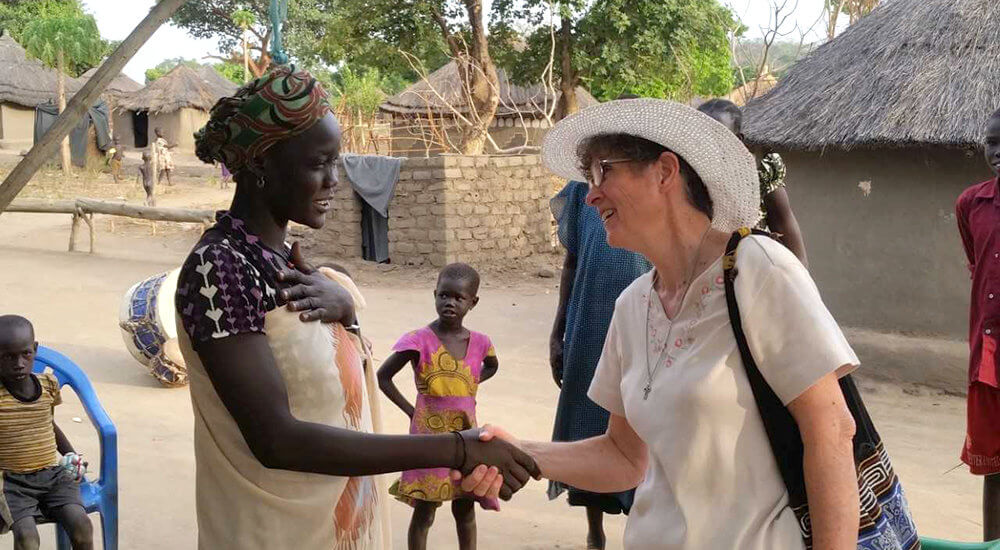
(449, 363)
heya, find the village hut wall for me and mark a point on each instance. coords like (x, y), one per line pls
(476, 209)
(178, 126)
(897, 105)
(900, 100)
(123, 129)
(17, 126)
(881, 234)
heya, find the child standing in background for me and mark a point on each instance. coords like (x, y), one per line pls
(146, 177)
(449, 363)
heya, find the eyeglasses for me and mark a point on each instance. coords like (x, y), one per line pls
(599, 168)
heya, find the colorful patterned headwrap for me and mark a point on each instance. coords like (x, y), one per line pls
(279, 105)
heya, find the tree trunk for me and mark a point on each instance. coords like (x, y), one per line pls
(482, 84)
(568, 103)
(835, 7)
(246, 58)
(61, 90)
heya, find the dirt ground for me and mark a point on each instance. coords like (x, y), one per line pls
(74, 299)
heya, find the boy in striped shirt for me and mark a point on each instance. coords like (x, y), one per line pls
(33, 484)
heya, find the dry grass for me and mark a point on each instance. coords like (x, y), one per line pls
(49, 183)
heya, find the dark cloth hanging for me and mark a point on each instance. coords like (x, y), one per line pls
(374, 181)
(374, 234)
(45, 117)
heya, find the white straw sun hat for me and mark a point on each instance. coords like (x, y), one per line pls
(724, 164)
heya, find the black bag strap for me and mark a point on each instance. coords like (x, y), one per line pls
(781, 428)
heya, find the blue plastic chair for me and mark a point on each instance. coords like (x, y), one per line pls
(936, 544)
(99, 496)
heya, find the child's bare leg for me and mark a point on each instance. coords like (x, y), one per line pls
(991, 507)
(169, 181)
(464, 510)
(420, 525)
(595, 523)
(25, 534)
(73, 518)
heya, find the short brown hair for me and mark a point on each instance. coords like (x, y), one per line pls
(644, 151)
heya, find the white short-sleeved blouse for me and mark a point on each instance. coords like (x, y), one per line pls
(712, 481)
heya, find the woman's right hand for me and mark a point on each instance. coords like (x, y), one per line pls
(556, 359)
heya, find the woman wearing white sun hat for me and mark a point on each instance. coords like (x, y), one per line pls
(673, 184)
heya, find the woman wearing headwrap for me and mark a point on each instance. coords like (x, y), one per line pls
(283, 411)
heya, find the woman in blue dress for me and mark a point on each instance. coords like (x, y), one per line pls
(593, 276)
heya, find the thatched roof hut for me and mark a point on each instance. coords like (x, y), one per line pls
(424, 119)
(178, 102)
(120, 86)
(912, 72)
(443, 87)
(877, 129)
(25, 81)
(183, 87)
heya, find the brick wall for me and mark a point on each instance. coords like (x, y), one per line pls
(449, 208)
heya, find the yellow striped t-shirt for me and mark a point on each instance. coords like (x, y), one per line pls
(27, 438)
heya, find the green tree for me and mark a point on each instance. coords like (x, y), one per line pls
(62, 37)
(220, 19)
(658, 48)
(456, 29)
(16, 15)
(233, 72)
(357, 92)
(366, 35)
(245, 19)
(225, 20)
(553, 40)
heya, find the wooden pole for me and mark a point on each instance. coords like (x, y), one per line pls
(72, 231)
(145, 212)
(89, 218)
(43, 206)
(94, 87)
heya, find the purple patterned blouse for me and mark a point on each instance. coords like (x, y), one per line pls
(229, 282)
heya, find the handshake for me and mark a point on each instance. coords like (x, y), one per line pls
(492, 463)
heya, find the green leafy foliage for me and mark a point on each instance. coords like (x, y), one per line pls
(658, 48)
(17, 16)
(232, 71)
(357, 92)
(64, 31)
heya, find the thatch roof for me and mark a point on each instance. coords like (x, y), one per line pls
(121, 84)
(25, 81)
(181, 87)
(119, 87)
(420, 98)
(215, 78)
(913, 72)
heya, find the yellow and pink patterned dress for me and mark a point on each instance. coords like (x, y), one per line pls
(446, 402)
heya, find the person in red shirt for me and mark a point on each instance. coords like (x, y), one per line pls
(978, 212)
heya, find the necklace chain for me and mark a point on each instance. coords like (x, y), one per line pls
(650, 372)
